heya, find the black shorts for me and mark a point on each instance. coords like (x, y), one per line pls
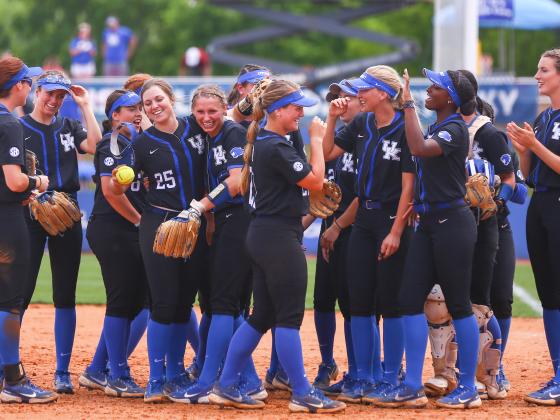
(14, 257)
(441, 251)
(114, 241)
(501, 294)
(484, 259)
(172, 282)
(279, 272)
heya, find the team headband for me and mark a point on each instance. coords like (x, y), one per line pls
(378, 84)
(55, 82)
(138, 91)
(24, 73)
(253, 76)
(443, 80)
(297, 98)
(128, 99)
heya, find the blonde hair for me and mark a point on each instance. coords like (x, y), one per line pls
(555, 55)
(389, 76)
(209, 91)
(276, 90)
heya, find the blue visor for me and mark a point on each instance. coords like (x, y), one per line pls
(55, 82)
(443, 80)
(253, 76)
(342, 86)
(367, 81)
(24, 73)
(128, 99)
(296, 98)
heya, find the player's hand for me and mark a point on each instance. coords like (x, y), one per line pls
(328, 238)
(389, 246)
(80, 95)
(317, 128)
(407, 95)
(523, 138)
(44, 181)
(338, 106)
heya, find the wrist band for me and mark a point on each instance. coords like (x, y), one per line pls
(408, 104)
(519, 194)
(32, 183)
(506, 191)
(245, 107)
(220, 195)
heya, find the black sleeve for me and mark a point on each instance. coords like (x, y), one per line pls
(287, 161)
(106, 160)
(79, 133)
(11, 144)
(234, 143)
(496, 150)
(450, 138)
(346, 138)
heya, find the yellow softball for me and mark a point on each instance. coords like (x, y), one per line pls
(125, 175)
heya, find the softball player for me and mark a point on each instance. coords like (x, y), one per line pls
(384, 186)
(55, 141)
(172, 155)
(113, 237)
(443, 245)
(273, 180)
(330, 276)
(231, 268)
(539, 151)
(15, 187)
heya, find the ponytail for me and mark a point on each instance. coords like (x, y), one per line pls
(252, 131)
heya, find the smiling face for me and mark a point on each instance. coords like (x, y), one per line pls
(288, 117)
(130, 114)
(49, 102)
(354, 107)
(158, 105)
(209, 112)
(547, 77)
(438, 98)
(369, 99)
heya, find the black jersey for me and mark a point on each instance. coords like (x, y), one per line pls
(342, 170)
(275, 169)
(11, 153)
(55, 145)
(225, 152)
(174, 164)
(491, 144)
(441, 179)
(382, 155)
(104, 163)
(547, 130)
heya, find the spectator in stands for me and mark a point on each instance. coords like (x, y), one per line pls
(83, 50)
(119, 44)
(195, 62)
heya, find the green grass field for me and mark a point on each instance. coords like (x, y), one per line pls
(91, 290)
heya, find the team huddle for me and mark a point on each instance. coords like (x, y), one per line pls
(414, 236)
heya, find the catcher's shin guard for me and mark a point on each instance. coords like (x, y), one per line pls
(444, 349)
(488, 358)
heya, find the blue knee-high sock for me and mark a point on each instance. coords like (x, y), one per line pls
(203, 329)
(192, 332)
(393, 348)
(467, 336)
(415, 328)
(273, 368)
(219, 336)
(325, 325)
(64, 330)
(505, 324)
(376, 367)
(363, 337)
(9, 337)
(159, 336)
(494, 329)
(551, 319)
(288, 346)
(100, 357)
(249, 373)
(115, 332)
(349, 349)
(175, 363)
(137, 328)
(242, 345)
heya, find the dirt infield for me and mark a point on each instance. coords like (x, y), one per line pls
(527, 365)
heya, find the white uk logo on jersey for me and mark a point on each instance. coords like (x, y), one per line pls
(67, 140)
(197, 142)
(477, 150)
(219, 155)
(347, 162)
(556, 131)
(391, 150)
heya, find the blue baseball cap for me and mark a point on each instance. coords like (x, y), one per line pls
(24, 73)
(296, 98)
(253, 76)
(367, 81)
(443, 80)
(55, 82)
(127, 99)
(336, 88)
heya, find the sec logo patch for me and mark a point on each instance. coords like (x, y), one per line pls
(298, 166)
(109, 161)
(14, 152)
